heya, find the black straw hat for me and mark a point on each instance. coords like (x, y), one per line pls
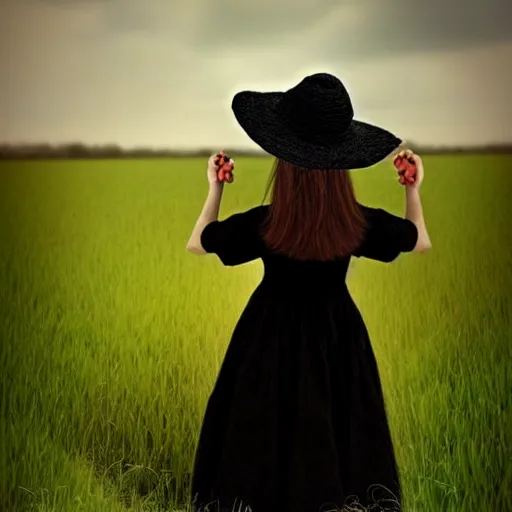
(312, 126)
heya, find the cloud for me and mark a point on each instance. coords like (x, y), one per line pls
(356, 30)
(164, 72)
(348, 29)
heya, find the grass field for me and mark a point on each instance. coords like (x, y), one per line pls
(112, 334)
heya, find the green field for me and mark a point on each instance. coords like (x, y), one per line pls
(112, 334)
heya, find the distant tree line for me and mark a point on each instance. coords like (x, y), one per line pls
(84, 151)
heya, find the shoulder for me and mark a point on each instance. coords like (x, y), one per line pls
(256, 215)
(377, 217)
(371, 213)
(234, 223)
(259, 211)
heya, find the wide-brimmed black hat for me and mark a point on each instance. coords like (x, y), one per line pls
(312, 126)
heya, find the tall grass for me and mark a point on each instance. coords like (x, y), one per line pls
(112, 334)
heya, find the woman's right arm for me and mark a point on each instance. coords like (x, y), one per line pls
(414, 213)
(413, 208)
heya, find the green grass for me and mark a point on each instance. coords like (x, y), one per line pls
(112, 334)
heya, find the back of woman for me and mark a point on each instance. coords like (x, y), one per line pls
(297, 419)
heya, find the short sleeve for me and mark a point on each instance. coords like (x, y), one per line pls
(387, 236)
(234, 240)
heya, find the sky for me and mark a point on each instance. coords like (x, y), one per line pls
(162, 73)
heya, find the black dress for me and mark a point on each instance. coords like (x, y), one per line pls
(296, 421)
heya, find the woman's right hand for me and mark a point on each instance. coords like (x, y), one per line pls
(408, 163)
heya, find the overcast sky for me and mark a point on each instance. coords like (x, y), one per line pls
(163, 72)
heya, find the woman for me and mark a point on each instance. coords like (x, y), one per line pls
(296, 421)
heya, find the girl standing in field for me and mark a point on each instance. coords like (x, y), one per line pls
(296, 421)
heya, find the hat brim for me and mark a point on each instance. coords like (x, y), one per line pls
(363, 146)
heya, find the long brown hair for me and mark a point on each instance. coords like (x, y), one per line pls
(313, 214)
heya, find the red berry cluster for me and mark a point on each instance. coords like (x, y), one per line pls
(406, 168)
(225, 167)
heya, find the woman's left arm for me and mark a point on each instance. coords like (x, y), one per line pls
(209, 214)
